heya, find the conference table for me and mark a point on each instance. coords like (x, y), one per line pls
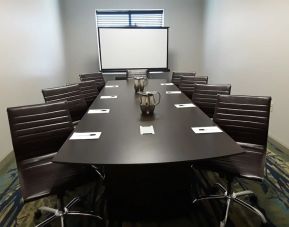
(128, 157)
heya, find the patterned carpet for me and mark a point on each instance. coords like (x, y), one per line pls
(272, 193)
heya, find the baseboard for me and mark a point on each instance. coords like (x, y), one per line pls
(276, 144)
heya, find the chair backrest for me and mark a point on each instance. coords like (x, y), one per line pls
(131, 73)
(244, 118)
(205, 96)
(176, 77)
(89, 90)
(70, 93)
(98, 77)
(187, 84)
(38, 130)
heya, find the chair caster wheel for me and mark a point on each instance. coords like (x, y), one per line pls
(37, 214)
(228, 223)
(222, 224)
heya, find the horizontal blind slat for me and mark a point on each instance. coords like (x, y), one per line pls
(121, 19)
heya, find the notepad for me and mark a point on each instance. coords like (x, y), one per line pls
(108, 97)
(210, 129)
(167, 84)
(111, 86)
(185, 105)
(85, 135)
(98, 111)
(173, 92)
(146, 130)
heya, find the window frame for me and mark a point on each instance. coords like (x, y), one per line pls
(129, 12)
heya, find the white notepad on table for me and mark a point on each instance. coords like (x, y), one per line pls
(210, 129)
(98, 111)
(167, 84)
(85, 135)
(111, 86)
(185, 105)
(173, 92)
(108, 97)
(146, 130)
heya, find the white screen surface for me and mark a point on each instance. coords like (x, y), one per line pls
(123, 48)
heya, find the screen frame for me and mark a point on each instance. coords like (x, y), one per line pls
(166, 69)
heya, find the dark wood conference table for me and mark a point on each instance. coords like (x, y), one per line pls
(146, 175)
(121, 142)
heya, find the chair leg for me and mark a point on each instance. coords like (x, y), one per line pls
(224, 221)
(64, 211)
(49, 209)
(78, 213)
(221, 187)
(47, 221)
(56, 213)
(72, 202)
(230, 196)
(242, 193)
(209, 197)
(62, 221)
(251, 208)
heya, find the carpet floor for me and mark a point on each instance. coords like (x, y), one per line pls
(272, 200)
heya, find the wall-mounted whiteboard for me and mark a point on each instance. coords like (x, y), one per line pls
(133, 48)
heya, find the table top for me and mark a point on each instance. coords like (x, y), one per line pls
(121, 141)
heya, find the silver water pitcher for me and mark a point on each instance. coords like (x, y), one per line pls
(148, 101)
(139, 83)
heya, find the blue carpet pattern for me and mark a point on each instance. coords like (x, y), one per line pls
(272, 193)
(10, 196)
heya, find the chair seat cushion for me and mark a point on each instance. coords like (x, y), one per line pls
(252, 147)
(249, 164)
(41, 177)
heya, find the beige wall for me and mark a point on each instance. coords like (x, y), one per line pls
(244, 43)
(185, 19)
(247, 44)
(31, 56)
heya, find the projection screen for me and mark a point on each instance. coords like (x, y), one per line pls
(133, 48)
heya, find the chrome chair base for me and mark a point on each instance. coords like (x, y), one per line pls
(57, 213)
(232, 197)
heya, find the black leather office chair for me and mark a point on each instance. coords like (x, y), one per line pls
(176, 77)
(187, 84)
(38, 131)
(205, 96)
(98, 77)
(70, 93)
(89, 90)
(131, 73)
(246, 120)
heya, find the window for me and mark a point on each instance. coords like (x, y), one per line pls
(129, 18)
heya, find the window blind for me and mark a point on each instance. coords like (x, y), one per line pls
(130, 18)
